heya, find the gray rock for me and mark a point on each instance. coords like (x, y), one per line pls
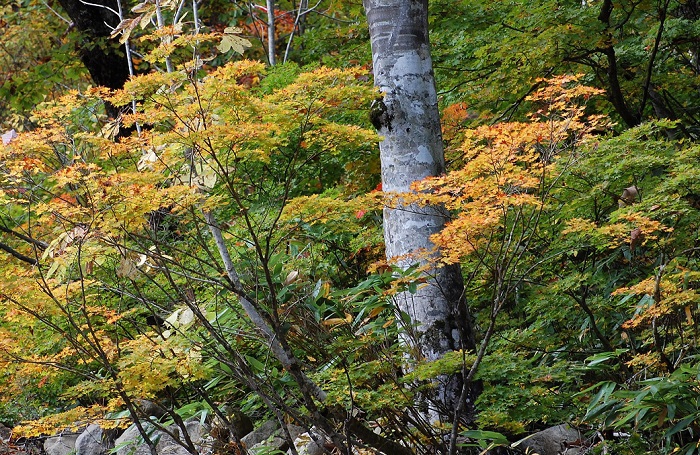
(263, 432)
(552, 441)
(305, 445)
(275, 439)
(241, 423)
(131, 442)
(295, 431)
(150, 409)
(273, 444)
(5, 433)
(173, 450)
(90, 441)
(195, 430)
(60, 445)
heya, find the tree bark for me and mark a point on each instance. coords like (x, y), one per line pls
(105, 59)
(412, 149)
(271, 45)
(613, 88)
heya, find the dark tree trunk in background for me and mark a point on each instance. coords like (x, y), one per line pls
(104, 58)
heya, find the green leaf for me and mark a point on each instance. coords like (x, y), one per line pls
(255, 364)
(682, 425)
(604, 356)
(484, 435)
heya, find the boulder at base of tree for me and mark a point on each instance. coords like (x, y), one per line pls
(94, 441)
(305, 445)
(60, 445)
(131, 442)
(260, 434)
(269, 436)
(553, 441)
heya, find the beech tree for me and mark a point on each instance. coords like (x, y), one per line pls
(407, 118)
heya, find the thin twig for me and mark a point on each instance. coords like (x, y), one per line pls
(67, 21)
(100, 6)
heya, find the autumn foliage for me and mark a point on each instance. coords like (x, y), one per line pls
(577, 240)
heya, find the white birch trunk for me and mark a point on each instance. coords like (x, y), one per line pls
(271, 32)
(411, 150)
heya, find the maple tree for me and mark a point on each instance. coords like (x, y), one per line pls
(221, 239)
(100, 207)
(641, 53)
(546, 219)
